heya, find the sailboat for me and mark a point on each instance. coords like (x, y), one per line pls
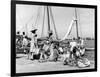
(48, 12)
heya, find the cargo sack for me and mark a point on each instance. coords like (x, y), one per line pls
(81, 63)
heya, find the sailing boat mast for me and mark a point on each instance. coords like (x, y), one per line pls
(43, 23)
(53, 23)
(48, 19)
(49, 15)
(76, 23)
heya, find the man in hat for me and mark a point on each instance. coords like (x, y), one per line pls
(34, 36)
(33, 43)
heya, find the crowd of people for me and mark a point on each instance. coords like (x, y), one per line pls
(50, 50)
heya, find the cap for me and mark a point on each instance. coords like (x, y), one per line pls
(34, 31)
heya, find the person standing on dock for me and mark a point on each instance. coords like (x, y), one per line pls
(33, 44)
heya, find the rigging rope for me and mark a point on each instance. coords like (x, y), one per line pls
(38, 14)
(53, 22)
(43, 22)
(26, 25)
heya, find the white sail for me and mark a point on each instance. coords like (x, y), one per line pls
(69, 30)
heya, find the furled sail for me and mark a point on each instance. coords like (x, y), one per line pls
(69, 30)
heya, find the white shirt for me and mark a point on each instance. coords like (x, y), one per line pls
(73, 44)
(25, 41)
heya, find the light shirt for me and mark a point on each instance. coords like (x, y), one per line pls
(73, 44)
(25, 41)
(61, 50)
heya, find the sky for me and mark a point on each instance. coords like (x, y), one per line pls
(26, 16)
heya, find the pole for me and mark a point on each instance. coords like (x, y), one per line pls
(53, 23)
(76, 23)
(48, 19)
